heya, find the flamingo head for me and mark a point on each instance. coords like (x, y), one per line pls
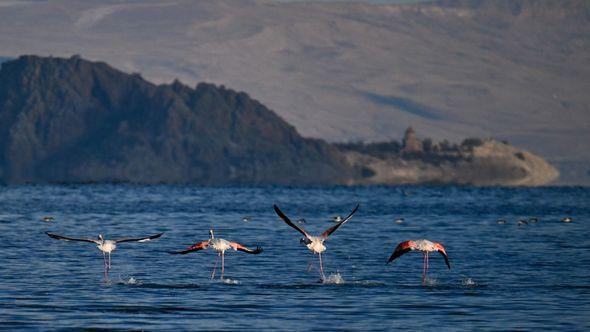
(100, 238)
(211, 233)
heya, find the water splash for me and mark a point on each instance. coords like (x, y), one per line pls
(334, 278)
(430, 282)
(468, 282)
(230, 281)
(120, 281)
(131, 281)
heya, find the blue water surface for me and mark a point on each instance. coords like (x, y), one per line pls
(503, 276)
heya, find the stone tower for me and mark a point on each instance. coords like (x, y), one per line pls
(410, 142)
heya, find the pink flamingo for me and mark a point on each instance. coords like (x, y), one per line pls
(106, 246)
(315, 243)
(219, 245)
(423, 245)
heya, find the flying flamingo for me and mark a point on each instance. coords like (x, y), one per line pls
(315, 243)
(423, 245)
(219, 245)
(106, 246)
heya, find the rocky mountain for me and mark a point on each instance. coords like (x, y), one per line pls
(71, 120)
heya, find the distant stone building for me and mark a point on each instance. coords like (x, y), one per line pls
(410, 142)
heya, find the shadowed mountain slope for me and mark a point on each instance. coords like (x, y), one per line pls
(71, 120)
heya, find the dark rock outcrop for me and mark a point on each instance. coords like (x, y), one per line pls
(72, 120)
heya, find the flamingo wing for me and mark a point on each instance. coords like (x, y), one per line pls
(65, 238)
(401, 249)
(245, 249)
(290, 223)
(194, 247)
(139, 239)
(335, 227)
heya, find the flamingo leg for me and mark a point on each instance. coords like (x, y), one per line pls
(109, 261)
(424, 268)
(215, 266)
(321, 267)
(222, 263)
(427, 262)
(104, 256)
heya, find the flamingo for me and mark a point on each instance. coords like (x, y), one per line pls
(314, 243)
(423, 245)
(106, 246)
(219, 245)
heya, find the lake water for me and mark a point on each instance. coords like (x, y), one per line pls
(503, 277)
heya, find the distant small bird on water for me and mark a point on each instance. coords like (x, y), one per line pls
(106, 246)
(48, 218)
(425, 246)
(315, 243)
(399, 220)
(337, 219)
(522, 222)
(219, 245)
(567, 219)
(246, 218)
(501, 221)
(301, 221)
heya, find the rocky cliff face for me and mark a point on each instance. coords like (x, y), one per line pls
(71, 120)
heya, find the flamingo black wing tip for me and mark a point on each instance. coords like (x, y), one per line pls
(278, 211)
(178, 252)
(256, 251)
(53, 236)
